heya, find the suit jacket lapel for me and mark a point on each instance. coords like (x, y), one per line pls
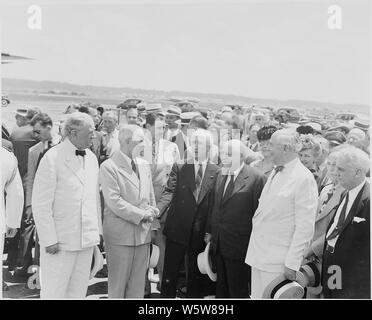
(219, 188)
(73, 163)
(207, 180)
(332, 204)
(357, 205)
(125, 169)
(143, 178)
(239, 183)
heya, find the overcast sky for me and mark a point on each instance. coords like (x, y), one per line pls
(266, 49)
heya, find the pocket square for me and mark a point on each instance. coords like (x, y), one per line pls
(357, 219)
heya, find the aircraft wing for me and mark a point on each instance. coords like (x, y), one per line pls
(9, 58)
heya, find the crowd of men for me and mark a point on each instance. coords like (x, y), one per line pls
(280, 209)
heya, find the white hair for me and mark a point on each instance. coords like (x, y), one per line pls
(74, 121)
(288, 137)
(355, 157)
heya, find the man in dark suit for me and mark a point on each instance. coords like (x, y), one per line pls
(346, 270)
(187, 197)
(235, 199)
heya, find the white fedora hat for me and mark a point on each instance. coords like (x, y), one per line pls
(282, 288)
(154, 256)
(205, 263)
(309, 276)
(97, 262)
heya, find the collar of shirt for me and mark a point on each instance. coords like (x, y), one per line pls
(70, 146)
(354, 192)
(56, 138)
(127, 159)
(172, 132)
(237, 171)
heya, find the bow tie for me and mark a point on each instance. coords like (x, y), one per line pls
(80, 153)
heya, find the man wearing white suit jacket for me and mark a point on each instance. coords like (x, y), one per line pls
(66, 209)
(130, 209)
(11, 200)
(283, 224)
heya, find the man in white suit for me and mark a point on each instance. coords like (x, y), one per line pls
(130, 209)
(66, 210)
(11, 205)
(283, 224)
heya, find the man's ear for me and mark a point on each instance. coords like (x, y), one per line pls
(359, 173)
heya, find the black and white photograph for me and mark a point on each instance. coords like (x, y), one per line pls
(164, 151)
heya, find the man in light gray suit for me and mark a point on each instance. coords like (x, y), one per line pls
(130, 209)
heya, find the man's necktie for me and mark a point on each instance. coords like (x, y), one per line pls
(81, 153)
(134, 168)
(198, 179)
(229, 189)
(341, 220)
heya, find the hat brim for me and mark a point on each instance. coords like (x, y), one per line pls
(20, 113)
(205, 263)
(281, 288)
(98, 262)
(309, 276)
(154, 257)
(172, 114)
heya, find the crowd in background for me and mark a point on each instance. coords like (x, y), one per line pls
(282, 203)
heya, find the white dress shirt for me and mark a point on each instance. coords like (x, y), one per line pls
(235, 174)
(352, 196)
